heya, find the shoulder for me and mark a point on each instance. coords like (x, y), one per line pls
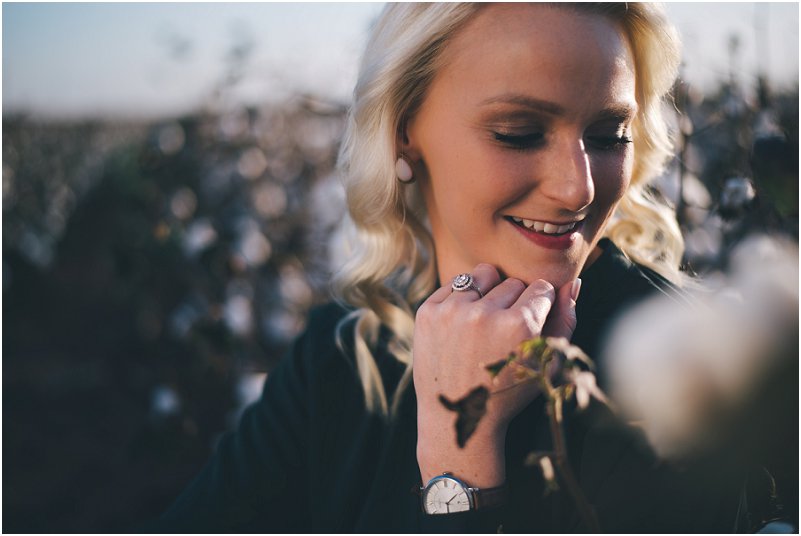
(325, 321)
(333, 349)
(327, 338)
(325, 317)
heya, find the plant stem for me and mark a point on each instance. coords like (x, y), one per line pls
(585, 511)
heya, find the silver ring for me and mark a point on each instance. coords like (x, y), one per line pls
(463, 283)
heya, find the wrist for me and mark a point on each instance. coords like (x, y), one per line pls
(481, 462)
(436, 421)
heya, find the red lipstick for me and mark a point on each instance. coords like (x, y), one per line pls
(550, 241)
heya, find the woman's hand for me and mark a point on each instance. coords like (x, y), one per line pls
(456, 335)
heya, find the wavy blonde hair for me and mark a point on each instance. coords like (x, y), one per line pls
(392, 265)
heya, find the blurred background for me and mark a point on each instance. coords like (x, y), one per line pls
(170, 211)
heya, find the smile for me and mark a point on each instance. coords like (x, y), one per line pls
(544, 227)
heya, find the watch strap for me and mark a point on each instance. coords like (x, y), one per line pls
(490, 497)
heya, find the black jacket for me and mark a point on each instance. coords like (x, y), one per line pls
(308, 457)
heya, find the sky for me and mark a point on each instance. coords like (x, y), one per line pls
(164, 59)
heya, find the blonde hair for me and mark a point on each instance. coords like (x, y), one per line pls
(392, 267)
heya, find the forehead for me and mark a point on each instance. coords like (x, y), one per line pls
(558, 53)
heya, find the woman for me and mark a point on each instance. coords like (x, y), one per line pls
(499, 142)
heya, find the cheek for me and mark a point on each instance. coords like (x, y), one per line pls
(465, 173)
(612, 176)
(448, 156)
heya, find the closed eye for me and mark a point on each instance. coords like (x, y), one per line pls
(607, 143)
(519, 141)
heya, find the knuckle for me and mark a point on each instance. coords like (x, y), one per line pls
(530, 321)
(475, 316)
(531, 317)
(544, 288)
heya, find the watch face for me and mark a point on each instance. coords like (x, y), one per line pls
(446, 495)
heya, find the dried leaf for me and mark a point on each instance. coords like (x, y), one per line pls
(549, 474)
(547, 468)
(469, 410)
(533, 348)
(570, 351)
(586, 388)
(495, 368)
(543, 461)
(533, 458)
(524, 373)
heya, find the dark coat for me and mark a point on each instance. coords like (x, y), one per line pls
(308, 457)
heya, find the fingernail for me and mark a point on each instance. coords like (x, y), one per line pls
(575, 289)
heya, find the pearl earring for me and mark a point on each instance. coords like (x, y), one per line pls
(403, 170)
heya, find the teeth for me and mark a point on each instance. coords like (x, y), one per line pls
(542, 227)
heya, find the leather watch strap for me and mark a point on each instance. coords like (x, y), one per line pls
(490, 497)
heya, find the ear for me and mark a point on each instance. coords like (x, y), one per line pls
(405, 140)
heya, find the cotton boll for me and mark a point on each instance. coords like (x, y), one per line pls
(692, 374)
(766, 271)
(651, 372)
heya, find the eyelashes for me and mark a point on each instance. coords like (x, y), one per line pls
(520, 141)
(607, 143)
(536, 139)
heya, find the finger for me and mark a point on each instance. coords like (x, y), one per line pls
(536, 301)
(485, 277)
(562, 318)
(440, 294)
(506, 293)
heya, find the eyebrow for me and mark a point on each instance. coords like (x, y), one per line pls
(621, 110)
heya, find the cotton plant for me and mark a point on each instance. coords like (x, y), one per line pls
(714, 370)
(562, 372)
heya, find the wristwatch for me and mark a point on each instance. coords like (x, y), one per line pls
(446, 494)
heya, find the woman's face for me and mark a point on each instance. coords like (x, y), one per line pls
(521, 145)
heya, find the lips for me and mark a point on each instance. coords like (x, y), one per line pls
(549, 235)
(547, 228)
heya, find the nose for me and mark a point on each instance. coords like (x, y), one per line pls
(568, 176)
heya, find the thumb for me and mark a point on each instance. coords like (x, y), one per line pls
(562, 318)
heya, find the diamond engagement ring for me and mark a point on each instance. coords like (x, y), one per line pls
(463, 283)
